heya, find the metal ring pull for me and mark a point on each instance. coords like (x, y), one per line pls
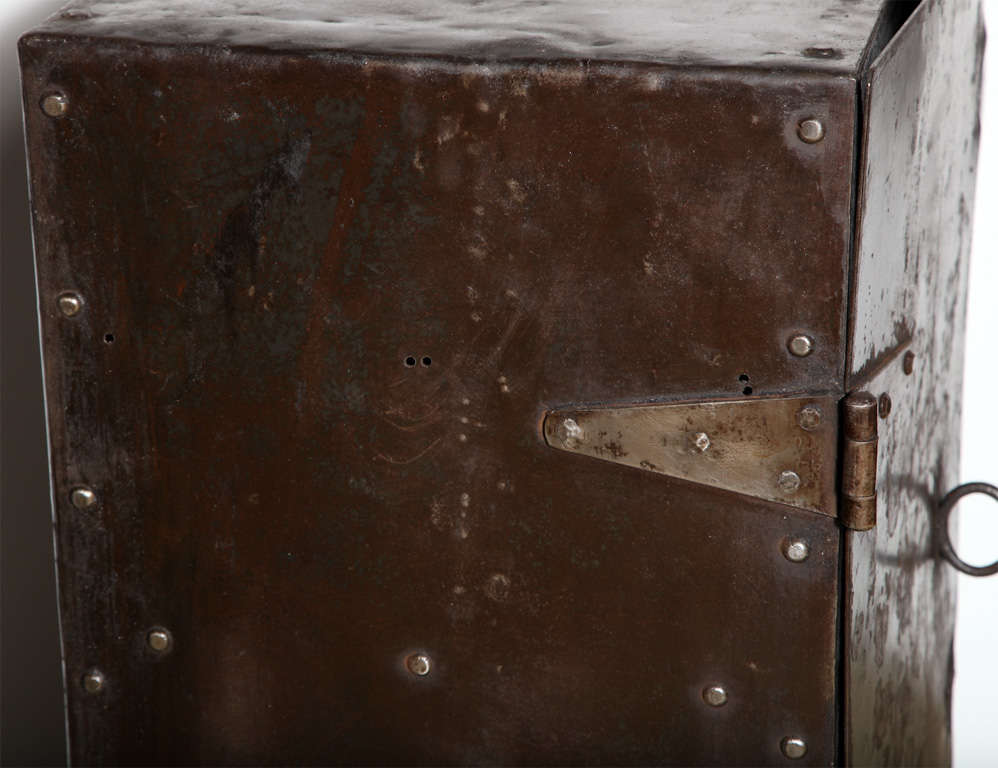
(946, 546)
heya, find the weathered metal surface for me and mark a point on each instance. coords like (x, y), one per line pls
(818, 36)
(915, 201)
(739, 445)
(325, 303)
(859, 461)
(916, 183)
(309, 286)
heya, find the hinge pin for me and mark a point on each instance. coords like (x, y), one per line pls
(859, 462)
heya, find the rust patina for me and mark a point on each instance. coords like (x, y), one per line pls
(335, 262)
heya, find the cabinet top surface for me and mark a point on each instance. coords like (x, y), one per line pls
(820, 35)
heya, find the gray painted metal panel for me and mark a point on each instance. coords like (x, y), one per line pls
(916, 199)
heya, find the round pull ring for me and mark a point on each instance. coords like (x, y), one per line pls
(946, 546)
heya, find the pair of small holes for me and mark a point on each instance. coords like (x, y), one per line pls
(410, 362)
(747, 388)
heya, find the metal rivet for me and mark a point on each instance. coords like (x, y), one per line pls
(715, 696)
(55, 105)
(70, 304)
(884, 405)
(419, 664)
(793, 747)
(159, 640)
(93, 681)
(789, 481)
(811, 131)
(908, 363)
(83, 498)
(701, 442)
(796, 551)
(800, 345)
(570, 433)
(497, 587)
(809, 417)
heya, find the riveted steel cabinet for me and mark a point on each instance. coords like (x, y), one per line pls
(452, 384)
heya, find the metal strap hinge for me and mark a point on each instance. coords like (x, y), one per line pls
(778, 449)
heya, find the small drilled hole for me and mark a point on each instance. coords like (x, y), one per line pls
(427, 362)
(410, 362)
(744, 379)
(109, 338)
(747, 391)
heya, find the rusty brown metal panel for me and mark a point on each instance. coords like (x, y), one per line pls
(326, 303)
(916, 198)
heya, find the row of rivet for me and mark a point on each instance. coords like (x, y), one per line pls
(792, 747)
(808, 418)
(419, 664)
(810, 130)
(158, 640)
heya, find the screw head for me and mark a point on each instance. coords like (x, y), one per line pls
(70, 304)
(908, 362)
(93, 681)
(796, 551)
(55, 104)
(159, 640)
(793, 747)
(789, 481)
(497, 587)
(715, 696)
(810, 131)
(570, 433)
(800, 345)
(701, 442)
(419, 664)
(83, 498)
(809, 417)
(884, 405)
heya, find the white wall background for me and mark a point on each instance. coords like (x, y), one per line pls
(975, 696)
(975, 707)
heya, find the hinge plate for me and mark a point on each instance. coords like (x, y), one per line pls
(778, 449)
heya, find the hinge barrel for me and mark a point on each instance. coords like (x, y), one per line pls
(859, 462)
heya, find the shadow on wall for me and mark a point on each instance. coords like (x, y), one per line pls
(31, 704)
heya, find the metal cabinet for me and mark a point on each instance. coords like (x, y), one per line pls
(454, 383)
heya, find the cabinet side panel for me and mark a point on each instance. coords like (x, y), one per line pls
(915, 205)
(916, 183)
